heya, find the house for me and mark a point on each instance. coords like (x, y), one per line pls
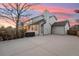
(46, 24)
(41, 25)
(60, 27)
(75, 27)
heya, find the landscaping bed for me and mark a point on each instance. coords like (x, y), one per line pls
(73, 32)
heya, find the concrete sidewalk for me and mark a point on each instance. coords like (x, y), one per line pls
(51, 45)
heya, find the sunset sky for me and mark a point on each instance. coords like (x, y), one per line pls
(61, 10)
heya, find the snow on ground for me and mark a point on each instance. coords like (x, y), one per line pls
(51, 45)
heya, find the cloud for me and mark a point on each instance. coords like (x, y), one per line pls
(60, 12)
(53, 9)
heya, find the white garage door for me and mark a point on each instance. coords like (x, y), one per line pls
(58, 30)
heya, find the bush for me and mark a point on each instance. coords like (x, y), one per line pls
(21, 33)
(72, 32)
(78, 33)
(10, 33)
(3, 35)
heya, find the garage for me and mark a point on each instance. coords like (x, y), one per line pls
(60, 28)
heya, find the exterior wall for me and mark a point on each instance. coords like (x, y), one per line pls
(41, 28)
(47, 29)
(37, 28)
(49, 21)
(58, 30)
(37, 31)
(47, 26)
(66, 28)
(33, 28)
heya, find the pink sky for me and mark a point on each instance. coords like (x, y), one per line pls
(51, 9)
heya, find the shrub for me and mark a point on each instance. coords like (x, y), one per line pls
(10, 33)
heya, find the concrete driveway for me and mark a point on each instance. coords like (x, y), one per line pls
(51, 45)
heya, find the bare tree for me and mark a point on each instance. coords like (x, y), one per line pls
(14, 12)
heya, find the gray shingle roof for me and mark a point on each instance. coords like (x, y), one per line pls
(62, 23)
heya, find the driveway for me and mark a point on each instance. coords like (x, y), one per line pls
(51, 45)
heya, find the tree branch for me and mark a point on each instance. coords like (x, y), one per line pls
(7, 17)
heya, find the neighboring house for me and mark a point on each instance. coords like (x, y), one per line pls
(75, 27)
(41, 24)
(60, 27)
